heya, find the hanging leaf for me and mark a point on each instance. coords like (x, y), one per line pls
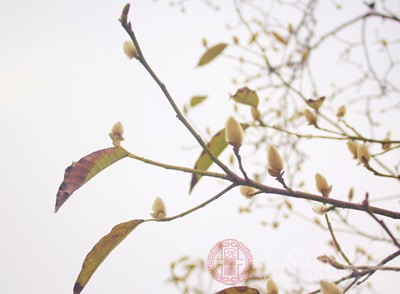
(212, 53)
(316, 104)
(279, 38)
(86, 168)
(246, 96)
(196, 100)
(239, 290)
(216, 146)
(101, 250)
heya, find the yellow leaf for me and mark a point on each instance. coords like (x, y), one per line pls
(279, 38)
(86, 168)
(316, 104)
(101, 250)
(246, 96)
(216, 146)
(196, 100)
(211, 53)
(239, 290)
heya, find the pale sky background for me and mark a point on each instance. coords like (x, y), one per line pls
(64, 81)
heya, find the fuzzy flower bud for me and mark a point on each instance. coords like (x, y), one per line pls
(247, 191)
(353, 148)
(159, 210)
(320, 209)
(233, 132)
(341, 111)
(363, 154)
(322, 185)
(326, 259)
(310, 117)
(272, 288)
(255, 113)
(329, 288)
(275, 163)
(130, 49)
(116, 134)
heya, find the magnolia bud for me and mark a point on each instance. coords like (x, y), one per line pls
(363, 154)
(272, 288)
(159, 210)
(326, 259)
(385, 144)
(341, 111)
(275, 163)
(124, 15)
(320, 208)
(130, 49)
(310, 117)
(329, 288)
(116, 134)
(322, 185)
(247, 191)
(353, 148)
(350, 195)
(233, 132)
(255, 113)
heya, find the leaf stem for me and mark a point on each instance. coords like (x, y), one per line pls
(179, 168)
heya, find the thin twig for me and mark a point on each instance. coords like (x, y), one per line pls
(205, 203)
(335, 241)
(239, 158)
(128, 28)
(380, 222)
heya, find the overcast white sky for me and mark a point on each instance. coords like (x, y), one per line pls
(64, 81)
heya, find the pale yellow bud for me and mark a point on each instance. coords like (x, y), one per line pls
(117, 133)
(329, 288)
(320, 208)
(310, 117)
(130, 49)
(385, 144)
(350, 195)
(272, 288)
(341, 111)
(247, 191)
(275, 163)
(326, 259)
(233, 132)
(363, 154)
(255, 113)
(322, 185)
(159, 210)
(353, 148)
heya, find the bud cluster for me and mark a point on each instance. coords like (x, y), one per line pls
(359, 152)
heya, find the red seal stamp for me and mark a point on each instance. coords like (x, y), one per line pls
(230, 262)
